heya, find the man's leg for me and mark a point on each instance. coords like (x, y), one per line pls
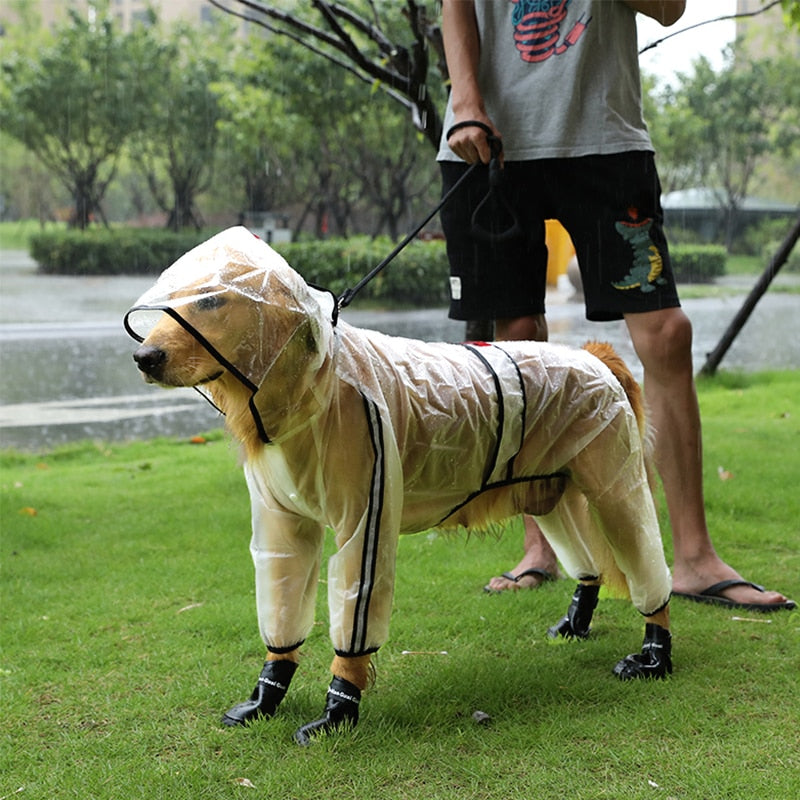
(663, 342)
(537, 555)
(532, 328)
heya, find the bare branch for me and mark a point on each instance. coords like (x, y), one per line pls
(400, 73)
(280, 16)
(708, 22)
(370, 29)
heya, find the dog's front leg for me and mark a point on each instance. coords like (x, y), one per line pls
(364, 503)
(350, 676)
(286, 552)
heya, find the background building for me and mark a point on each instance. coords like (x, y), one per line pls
(127, 13)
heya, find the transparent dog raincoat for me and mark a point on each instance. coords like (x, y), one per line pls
(375, 436)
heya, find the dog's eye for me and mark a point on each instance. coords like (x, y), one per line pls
(210, 302)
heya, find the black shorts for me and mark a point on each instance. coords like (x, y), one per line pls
(611, 207)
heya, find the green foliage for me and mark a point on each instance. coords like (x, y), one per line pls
(128, 627)
(362, 168)
(791, 13)
(698, 263)
(17, 235)
(387, 47)
(27, 188)
(764, 239)
(110, 251)
(722, 128)
(260, 112)
(262, 144)
(712, 122)
(76, 102)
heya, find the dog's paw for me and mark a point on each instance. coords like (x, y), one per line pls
(273, 683)
(564, 630)
(341, 709)
(655, 660)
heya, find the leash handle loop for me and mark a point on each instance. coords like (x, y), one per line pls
(494, 196)
(471, 123)
(479, 231)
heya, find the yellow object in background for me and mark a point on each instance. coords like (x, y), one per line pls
(559, 250)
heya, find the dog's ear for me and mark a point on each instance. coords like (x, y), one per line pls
(293, 388)
(287, 291)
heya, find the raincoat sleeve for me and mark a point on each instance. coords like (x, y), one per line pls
(286, 550)
(361, 573)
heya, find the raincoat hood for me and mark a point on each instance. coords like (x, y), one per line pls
(236, 283)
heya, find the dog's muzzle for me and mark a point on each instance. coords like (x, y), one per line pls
(152, 363)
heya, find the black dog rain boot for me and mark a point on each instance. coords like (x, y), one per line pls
(341, 708)
(576, 623)
(273, 683)
(655, 660)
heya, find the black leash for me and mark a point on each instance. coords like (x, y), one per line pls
(495, 180)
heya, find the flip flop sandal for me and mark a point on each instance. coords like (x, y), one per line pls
(713, 596)
(509, 576)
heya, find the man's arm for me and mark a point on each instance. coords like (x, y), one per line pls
(462, 49)
(667, 12)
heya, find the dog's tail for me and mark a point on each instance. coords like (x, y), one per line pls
(609, 356)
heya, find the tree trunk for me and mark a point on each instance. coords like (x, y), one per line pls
(83, 200)
(714, 358)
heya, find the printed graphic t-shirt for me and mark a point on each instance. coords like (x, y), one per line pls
(559, 78)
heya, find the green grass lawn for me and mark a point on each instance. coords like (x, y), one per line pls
(128, 627)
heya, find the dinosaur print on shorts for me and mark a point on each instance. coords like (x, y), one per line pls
(647, 266)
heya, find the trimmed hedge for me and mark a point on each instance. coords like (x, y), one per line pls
(698, 263)
(416, 276)
(110, 251)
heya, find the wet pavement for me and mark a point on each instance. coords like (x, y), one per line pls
(68, 374)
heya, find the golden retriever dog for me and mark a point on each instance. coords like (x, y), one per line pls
(375, 436)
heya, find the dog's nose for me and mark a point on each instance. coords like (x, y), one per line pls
(149, 359)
